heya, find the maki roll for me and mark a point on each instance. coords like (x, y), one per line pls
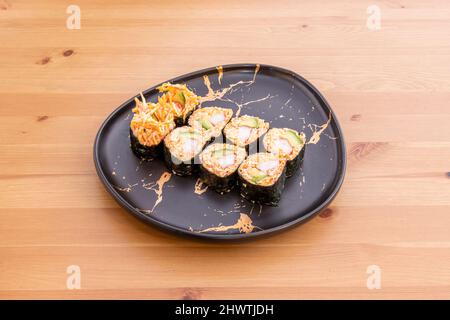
(181, 150)
(219, 164)
(148, 127)
(210, 120)
(245, 130)
(262, 177)
(287, 144)
(182, 100)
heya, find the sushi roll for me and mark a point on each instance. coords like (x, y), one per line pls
(182, 100)
(148, 127)
(210, 120)
(262, 177)
(245, 130)
(219, 164)
(287, 144)
(181, 150)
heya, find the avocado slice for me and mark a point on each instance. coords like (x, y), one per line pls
(250, 122)
(256, 175)
(189, 133)
(205, 123)
(222, 152)
(295, 135)
(256, 179)
(180, 98)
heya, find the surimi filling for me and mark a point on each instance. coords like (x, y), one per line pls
(217, 118)
(189, 146)
(244, 130)
(285, 142)
(222, 159)
(262, 169)
(226, 161)
(268, 165)
(210, 120)
(184, 143)
(284, 146)
(244, 134)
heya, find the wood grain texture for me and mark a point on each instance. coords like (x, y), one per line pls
(389, 88)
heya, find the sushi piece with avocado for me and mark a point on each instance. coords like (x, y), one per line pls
(150, 124)
(181, 150)
(219, 165)
(181, 99)
(245, 131)
(262, 177)
(287, 144)
(210, 120)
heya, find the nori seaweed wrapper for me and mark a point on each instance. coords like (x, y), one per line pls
(267, 195)
(219, 184)
(179, 121)
(293, 165)
(179, 167)
(144, 152)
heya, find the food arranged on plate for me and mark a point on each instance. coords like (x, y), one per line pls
(245, 130)
(189, 138)
(181, 150)
(219, 165)
(210, 120)
(149, 126)
(261, 178)
(287, 144)
(181, 99)
(226, 148)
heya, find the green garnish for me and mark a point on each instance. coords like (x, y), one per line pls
(180, 98)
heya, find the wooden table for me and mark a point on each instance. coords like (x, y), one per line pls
(390, 89)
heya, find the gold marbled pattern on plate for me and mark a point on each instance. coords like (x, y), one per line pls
(220, 74)
(158, 189)
(244, 225)
(318, 130)
(200, 187)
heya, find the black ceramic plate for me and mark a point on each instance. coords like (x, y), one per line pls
(279, 96)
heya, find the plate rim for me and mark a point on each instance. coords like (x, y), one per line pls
(185, 232)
